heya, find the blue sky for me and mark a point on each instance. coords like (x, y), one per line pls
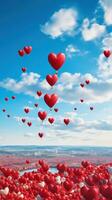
(81, 30)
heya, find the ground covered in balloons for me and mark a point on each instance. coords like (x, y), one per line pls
(85, 182)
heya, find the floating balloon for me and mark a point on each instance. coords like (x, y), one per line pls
(91, 108)
(56, 109)
(56, 61)
(21, 52)
(81, 100)
(82, 85)
(40, 135)
(52, 79)
(26, 110)
(36, 105)
(66, 121)
(50, 100)
(75, 108)
(27, 49)
(51, 120)
(29, 124)
(87, 82)
(8, 115)
(39, 93)
(27, 162)
(6, 99)
(4, 110)
(107, 53)
(23, 120)
(24, 69)
(13, 97)
(42, 115)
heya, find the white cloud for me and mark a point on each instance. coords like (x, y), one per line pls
(107, 7)
(91, 31)
(107, 42)
(71, 50)
(62, 22)
(29, 135)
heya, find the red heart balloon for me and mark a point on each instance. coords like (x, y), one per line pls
(66, 121)
(87, 82)
(23, 69)
(51, 120)
(21, 52)
(52, 79)
(42, 115)
(56, 109)
(50, 100)
(56, 61)
(29, 123)
(13, 97)
(6, 99)
(23, 120)
(82, 85)
(36, 105)
(27, 162)
(28, 49)
(107, 53)
(81, 100)
(40, 135)
(26, 110)
(91, 108)
(3, 110)
(39, 93)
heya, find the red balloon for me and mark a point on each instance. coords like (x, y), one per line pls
(26, 110)
(42, 115)
(51, 120)
(91, 108)
(56, 109)
(39, 93)
(107, 53)
(82, 85)
(52, 79)
(66, 121)
(4, 110)
(36, 105)
(21, 52)
(28, 49)
(40, 135)
(13, 97)
(81, 100)
(29, 124)
(50, 100)
(27, 162)
(87, 82)
(6, 99)
(56, 61)
(24, 69)
(23, 120)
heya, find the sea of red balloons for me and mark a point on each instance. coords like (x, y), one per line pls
(86, 182)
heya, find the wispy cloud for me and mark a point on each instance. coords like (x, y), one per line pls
(107, 7)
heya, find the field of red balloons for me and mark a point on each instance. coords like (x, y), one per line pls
(87, 182)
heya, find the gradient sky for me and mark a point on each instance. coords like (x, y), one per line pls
(81, 30)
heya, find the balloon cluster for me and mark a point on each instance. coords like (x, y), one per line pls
(86, 182)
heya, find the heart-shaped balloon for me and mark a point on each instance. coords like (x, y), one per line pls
(51, 120)
(87, 82)
(56, 109)
(29, 123)
(36, 105)
(82, 85)
(66, 121)
(13, 97)
(28, 49)
(50, 99)
(23, 69)
(39, 93)
(4, 110)
(6, 99)
(91, 108)
(26, 110)
(40, 135)
(56, 61)
(42, 115)
(52, 79)
(107, 53)
(23, 120)
(21, 52)
(81, 100)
